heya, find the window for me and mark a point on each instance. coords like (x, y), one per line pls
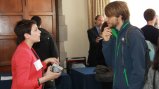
(137, 8)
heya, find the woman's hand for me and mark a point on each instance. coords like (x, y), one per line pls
(51, 60)
(49, 75)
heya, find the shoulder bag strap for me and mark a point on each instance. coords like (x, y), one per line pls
(154, 78)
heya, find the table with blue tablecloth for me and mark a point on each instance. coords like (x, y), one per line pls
(64, 82)
(84, 78)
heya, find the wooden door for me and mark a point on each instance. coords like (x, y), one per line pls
(46, 10)
(12, 11)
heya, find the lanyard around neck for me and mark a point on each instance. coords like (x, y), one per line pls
(36, 55)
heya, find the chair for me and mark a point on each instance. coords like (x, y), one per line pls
(75, 62)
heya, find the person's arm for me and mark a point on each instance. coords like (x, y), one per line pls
(108, 45)
(49, 75)
(137, 51)
(92, 37)
(51, 60)
(108, 52)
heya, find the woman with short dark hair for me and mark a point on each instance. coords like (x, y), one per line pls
(27, 69)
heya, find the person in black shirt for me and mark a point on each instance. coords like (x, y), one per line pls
(46, 48)
(149, 30)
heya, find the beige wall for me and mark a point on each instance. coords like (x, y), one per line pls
(75, 13)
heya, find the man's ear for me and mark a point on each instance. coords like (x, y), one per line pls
(26, 35)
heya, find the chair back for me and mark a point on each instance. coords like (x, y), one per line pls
(75, 62)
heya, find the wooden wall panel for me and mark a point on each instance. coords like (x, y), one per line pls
(7, 47)
(10, 6)
(12, 11)
(40, 5)
(47, 23)
(7, 24)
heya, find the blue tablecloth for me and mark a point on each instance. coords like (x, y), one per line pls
(84, 78)
(63, 82)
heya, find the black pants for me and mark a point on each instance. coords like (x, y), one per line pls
(50, 85)
(108, 85)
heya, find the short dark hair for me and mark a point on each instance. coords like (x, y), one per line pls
(97, 17)
(149, 14)
(22, 27)
(105, 24)
(37, 19)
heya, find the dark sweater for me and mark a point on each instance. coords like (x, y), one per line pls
(150, 33)
(46, 47)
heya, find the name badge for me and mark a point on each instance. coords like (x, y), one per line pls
(38, 65)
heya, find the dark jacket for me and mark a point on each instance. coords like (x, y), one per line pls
(131, 60)
(95, 55)
(46, 47)
(151, 33)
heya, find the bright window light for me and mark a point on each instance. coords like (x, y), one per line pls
(137, 8)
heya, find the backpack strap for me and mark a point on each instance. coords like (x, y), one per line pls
(128, 32)
(123, 63)
(126, 40)
(147, 56)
